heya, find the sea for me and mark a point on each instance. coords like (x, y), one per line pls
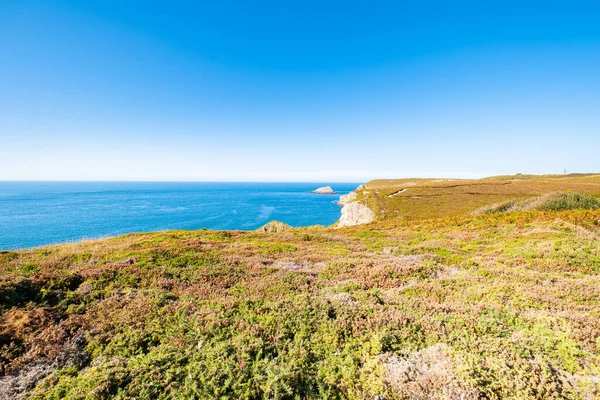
(41, 213)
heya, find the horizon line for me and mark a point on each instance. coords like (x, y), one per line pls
(185, 181)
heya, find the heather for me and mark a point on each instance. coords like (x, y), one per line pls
(496, 305)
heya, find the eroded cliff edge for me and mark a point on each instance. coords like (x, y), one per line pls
(353, 211)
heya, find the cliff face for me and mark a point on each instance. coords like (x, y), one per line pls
(354, 212)
(347, 198)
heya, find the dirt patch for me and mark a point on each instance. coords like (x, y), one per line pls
(426, 375)
(447, 272)
(302, 266)
(342, 298)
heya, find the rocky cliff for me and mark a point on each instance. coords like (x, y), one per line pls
(353, 211)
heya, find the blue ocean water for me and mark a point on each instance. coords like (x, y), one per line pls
(39, 213)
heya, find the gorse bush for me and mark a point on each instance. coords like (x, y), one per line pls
(561, 201)
(566, 201)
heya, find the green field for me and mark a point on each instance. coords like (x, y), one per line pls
(431, 301)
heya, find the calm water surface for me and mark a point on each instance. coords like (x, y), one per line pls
(39, 213)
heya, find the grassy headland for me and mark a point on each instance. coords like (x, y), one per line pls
(428, 302)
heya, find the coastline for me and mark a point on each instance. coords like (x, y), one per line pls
(72, 212)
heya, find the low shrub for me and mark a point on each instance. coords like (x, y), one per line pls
(559, 201)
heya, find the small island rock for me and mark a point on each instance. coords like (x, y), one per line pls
(324, 190)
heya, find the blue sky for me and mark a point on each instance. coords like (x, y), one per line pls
(297, 91)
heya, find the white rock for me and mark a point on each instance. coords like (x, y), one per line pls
(355, 214)
(324, 190)
(347, 198)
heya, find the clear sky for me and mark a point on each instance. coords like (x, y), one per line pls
(297, 90)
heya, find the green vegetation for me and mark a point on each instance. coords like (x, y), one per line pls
(550, 202)
(500, 305)
(437, 198)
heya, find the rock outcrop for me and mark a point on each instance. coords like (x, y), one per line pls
(355, 214)
(324, 190)
(274, 226)
(353, 211)
(347, 198)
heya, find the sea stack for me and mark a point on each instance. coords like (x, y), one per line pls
(324, 190)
